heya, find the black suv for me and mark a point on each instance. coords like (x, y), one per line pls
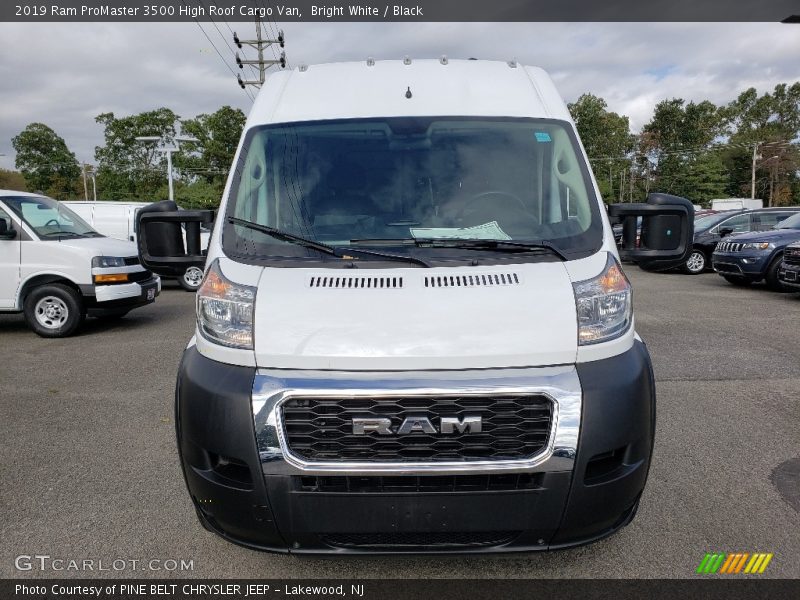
(710, 229)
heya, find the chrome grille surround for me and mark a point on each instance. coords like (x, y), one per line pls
(271, 388)
(729, 247)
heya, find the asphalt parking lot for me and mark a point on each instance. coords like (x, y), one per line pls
(89, 467)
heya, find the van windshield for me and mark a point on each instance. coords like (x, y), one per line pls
(49, 219)
(397, 181)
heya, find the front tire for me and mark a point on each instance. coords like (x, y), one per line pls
(696, 263)
(53, 310)
(191, 279)
(771, 277)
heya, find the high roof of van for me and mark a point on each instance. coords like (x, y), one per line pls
(380, 89)
(7, 193)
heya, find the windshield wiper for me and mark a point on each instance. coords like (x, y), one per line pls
(469, 244)
(61, 233)
(319, 246)
(492, 245)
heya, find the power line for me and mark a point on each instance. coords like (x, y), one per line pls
(224, 39)
(222, 58)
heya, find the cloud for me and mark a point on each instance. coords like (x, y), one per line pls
(64, 75)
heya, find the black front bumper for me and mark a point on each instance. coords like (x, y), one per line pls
(789, 274)
(426, 513)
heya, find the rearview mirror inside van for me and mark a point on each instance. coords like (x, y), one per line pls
(667, 230)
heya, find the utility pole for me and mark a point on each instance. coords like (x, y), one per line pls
(93, 175)
(630, 196)
(756, 156)
(85, 188)
(260, 44)
(168, 150)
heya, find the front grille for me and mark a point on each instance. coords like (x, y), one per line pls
(131, 261)
(792, 256)
(433, 539)
(419, 484)
(513, 427)
(729, 247)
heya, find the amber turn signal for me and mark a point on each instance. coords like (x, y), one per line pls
(111, 278)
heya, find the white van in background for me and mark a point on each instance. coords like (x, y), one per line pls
(56, 269)
(114, 219)
(118, 220)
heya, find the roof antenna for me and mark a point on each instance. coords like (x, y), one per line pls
(408, 92)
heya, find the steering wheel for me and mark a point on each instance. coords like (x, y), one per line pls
(478, 202)
(55, 221)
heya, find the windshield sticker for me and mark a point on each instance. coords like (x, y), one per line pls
(487, 231)
(542, 136)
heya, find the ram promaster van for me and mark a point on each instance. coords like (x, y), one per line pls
(413, 332)
(56, 269)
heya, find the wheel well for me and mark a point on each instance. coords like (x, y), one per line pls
(38, 280)
(778, 256)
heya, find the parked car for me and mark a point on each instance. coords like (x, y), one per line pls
(789, 270)
(56, 269)
(118, 220)
(710, 229)
(749, 257)
(402, 344)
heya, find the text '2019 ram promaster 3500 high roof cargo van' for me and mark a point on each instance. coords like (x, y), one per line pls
(414, 333)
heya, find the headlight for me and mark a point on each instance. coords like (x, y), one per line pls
(603, 304)
(104, 262)
(758, 246)
(225, 310)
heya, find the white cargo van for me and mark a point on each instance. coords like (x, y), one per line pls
(56, 269)
(114, 219)
(414, 333)
(118, 220)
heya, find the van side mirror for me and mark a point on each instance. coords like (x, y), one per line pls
(667, 231)
(162, 246)
(6, 232)
(726, 231)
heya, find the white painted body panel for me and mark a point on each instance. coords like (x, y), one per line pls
(414, 328)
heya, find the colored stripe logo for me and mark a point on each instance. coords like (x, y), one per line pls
(732, 563)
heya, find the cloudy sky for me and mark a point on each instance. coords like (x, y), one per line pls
(64, 75)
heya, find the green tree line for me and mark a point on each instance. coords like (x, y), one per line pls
(698, 150)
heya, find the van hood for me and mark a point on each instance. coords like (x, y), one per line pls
(413, 319)
(101, 246)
